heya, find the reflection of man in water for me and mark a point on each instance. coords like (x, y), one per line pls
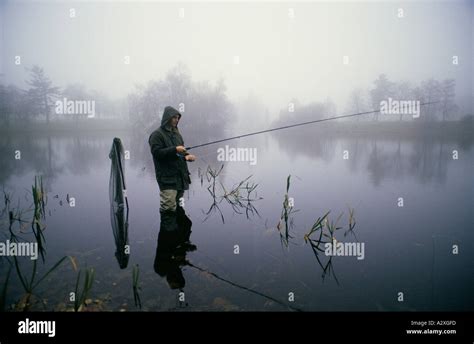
(171, 250)
(170, 159)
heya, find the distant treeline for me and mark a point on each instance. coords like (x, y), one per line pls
(206, 108)
(44, 105)
(44, 102)
(384, 90)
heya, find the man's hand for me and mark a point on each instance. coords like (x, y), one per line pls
(180, 149)
(190, 157)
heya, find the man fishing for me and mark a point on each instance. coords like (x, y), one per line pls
(170, 155)
(170, 159)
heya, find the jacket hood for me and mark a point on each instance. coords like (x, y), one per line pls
(167, 114)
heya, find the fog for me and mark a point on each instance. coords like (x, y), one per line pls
(269, 53)
(76, 77)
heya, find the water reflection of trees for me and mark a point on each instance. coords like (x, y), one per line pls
(424, 158)
(51, 156)
(38, 155)
(307, 142)
(76, 154)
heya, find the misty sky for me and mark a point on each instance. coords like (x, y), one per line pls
(279, 57)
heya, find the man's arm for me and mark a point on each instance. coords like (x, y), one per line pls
(158, 149)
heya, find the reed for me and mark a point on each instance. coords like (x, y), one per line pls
(30, 284)
(81, 296)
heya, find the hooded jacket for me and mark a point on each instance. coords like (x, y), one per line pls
(171, 169)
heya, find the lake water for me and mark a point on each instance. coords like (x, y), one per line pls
(407, 249)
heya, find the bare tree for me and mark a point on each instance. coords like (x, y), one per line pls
(447, 92)
(178, 81)
(403, 91)
(208, 106)
(431, 92)
(357, 102)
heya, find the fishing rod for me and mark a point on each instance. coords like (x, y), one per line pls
(292, 126)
